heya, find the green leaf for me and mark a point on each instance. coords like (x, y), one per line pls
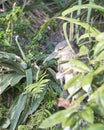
(22, 127)
(29, 77)
(21, 51)
(91, 30)
(87, 81)
(100, 56)
(99, 70)
(75, 80)
(100, 102)
(88, 115)
(12, 61)
(79, 66)
(71, 121)
(58, 117)
(100, 37)
(83, 50)
(32, 106)
(6, 43)
(84, 6)
(96, 127)
(99, 47)
(65, 34)
(9, 79)
(93, 96)
(86, 35)
(15, 112)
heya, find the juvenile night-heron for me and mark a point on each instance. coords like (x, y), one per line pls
(64, 54)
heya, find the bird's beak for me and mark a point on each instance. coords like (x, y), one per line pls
(50, 57)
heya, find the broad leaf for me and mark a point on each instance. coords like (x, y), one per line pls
(87, 81)
(93, 96)
(9, 79)
(22, 127)
(96, 127)
(83, 50)
(79, 66)
(12, 61)
(75, 80)
(71, 121)
(15, 112)
(88, 115)
(58, 117)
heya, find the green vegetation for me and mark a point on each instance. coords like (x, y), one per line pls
(28, 88)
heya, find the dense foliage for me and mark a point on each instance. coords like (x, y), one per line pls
(28, 88)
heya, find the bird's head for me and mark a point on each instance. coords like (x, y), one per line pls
(61, 49)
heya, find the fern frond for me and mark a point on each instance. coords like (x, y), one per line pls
(39, 85)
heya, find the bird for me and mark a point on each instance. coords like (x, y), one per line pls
(64, 54)
(62, 49)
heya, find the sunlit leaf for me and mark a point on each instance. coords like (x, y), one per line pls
(58, 117)
(79, 66)
(99, 70)
(84, 6)
(100, 102)
(66, 35)
(93, 96)
(22, 127)
(100, 37)
(71, 121)
(96, 127)
(86, 35)
(72, 81)
(86, 82)
(92, 30)
(100, 56)
(99, 47)
(88, 115)
(83, 50)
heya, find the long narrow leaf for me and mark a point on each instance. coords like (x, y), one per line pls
(86, 35)
(99, 47)
(84, 6)
(16, 111)
(29, 77)
(66, 36)
(99, 70)
(92, 30)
